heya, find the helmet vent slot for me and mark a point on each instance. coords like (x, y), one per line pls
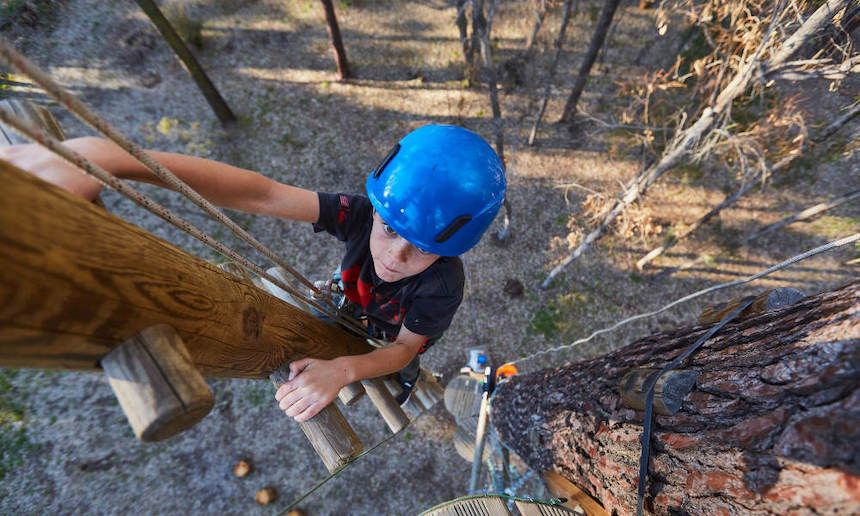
(452, 228)
(384, 163)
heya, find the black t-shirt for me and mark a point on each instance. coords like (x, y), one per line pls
(425, 303)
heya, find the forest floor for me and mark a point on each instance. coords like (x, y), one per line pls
(64, 442)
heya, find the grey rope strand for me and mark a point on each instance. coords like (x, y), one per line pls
(782, 265)
(341, 469)
(79, 109)
(106, 178)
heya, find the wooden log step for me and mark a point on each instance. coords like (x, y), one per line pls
(332, 438)
(156, 383)
(428, 389)
(30, 112)
(280, 274)
(412, 407)
(351, 393)
(237, 270)
(463, 400)
(385, 403)
(471, 506)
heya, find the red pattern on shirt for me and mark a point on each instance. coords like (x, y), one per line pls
(356, 290)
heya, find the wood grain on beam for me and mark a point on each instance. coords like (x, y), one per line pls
(75, 281)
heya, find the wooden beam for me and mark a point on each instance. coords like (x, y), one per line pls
(75, 281)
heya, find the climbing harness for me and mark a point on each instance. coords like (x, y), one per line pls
(645, 440)
(79, 109)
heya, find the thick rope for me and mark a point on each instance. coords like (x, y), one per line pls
(79, 109)
(51, 143)
(782, 265)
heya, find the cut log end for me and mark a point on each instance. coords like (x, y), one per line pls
(157, 385)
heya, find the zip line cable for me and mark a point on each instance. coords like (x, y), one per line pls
(781, 265)
(16, 60)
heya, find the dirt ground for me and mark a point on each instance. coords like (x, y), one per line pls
(66, 447)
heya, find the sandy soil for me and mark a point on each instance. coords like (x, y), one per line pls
(65, 444)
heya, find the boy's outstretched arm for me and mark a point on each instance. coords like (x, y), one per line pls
(314, 383)
(221, 184)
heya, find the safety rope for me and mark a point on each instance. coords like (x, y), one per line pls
(645, 439)
(781, 265)
(51, 143)
(13, 58)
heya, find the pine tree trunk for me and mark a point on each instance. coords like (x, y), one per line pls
(772, 424)
(343, 70)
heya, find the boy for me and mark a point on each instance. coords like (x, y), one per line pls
(427, 202)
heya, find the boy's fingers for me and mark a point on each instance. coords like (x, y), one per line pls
(308, 413)
(298, 407)
(283, 390)
(292, 397)
(298, 366)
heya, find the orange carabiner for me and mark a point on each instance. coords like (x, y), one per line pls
(506, 371)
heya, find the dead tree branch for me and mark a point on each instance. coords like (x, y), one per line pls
(803, 215)
(540, 14)
(673, 240)
(689, 140)
(837, 124)
(565, 18)
(728, 201)
(597, 40)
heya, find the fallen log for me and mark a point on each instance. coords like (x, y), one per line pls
(771, 423)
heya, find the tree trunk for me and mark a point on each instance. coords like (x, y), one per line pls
(213, 97)
(771, 423)
(597, 40)
(336, 41)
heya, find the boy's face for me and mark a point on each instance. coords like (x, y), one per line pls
(394, 258)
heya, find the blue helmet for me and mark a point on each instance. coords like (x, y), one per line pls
(439, 188)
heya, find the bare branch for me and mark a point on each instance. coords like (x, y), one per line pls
(540, 14)
(837, 124)
(804, 215)
(565, 18)
(687, 141)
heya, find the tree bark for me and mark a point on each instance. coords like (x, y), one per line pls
(336, 41)
(771, 425)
